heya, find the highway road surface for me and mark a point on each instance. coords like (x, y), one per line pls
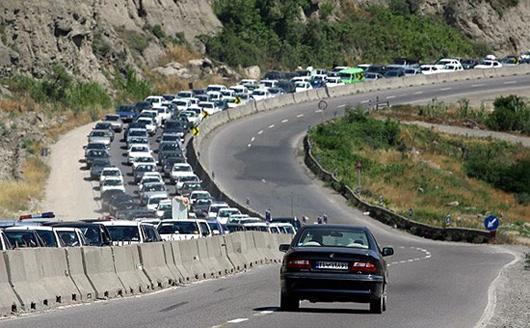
(432, 284)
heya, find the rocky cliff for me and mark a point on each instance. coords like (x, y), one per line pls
(89, 36)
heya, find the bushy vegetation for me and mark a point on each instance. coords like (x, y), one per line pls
(130, 88)
(510, 113)
(272, 33)
(435, 174)
(60, 89)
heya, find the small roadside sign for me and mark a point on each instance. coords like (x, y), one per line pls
(195, 131)
(205, 114)
(491, 223)
(237, 101)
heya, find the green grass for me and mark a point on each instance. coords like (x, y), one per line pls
(412, 167)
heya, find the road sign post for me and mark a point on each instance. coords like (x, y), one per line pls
(491, 223)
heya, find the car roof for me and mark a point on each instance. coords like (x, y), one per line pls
(335, 226)
(28, 228)
(124, 223)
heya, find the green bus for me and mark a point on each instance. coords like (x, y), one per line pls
(352, 75)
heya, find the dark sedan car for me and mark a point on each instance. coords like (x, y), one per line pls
(95, 234)
(94, 154)
(334, 263)
(97, 166)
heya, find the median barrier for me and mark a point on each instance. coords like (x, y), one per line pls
(99, 268)
(416, 80)
(154, 265)
(300, 97)
(187, 275)
(77, 273)
(25, 275)
(322, 93)
(213, 269)
(9, 302)
(129, 269)
(217, 252)
(267, 244)
(55, 275)
(257, 256)
(190, 259)
(238, 252)
(312, 95)
(178, 276)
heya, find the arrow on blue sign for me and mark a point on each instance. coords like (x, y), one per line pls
(491, 223)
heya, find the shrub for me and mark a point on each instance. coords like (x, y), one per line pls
(510, 113)
(131, 88)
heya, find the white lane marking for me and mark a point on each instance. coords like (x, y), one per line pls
(285, 121)
(477, 85)
(510, 82)
(341, 106)
(445, 89)
(260, 131)
(249, 145)
(365, 101)
(252, 139)
(267, 312)
(238, 320)
(390, 97)
(418, 93)
(318, 110)
(300, 115)
(271, 126)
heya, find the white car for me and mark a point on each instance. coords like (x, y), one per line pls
(333, 81)
(51, 236)
(143, 160)
(449, 61)
(224, 214)
(4, 242)
(150, 125)
(302, 86)
(450, 68)
(146, 181)
(257, 226)
(163, 206)
(214, 208)
(112, 184)
(153, 202)
(208, 107)
(231, 102)
(185, 177)
(215, 95)
(131, 232)
(153, 100)
(182, 103)
(183, 229)
(180, 169)
(268, 83)
(163, 112)
(154, 174)
(199, 194)
(110, 173)
(260, 94)
(286, 228)
(228, 93)
(249, 82)
(485, 64)
(152, 113)
(237, 217)
(429, 69)
(239, 89)
(138, 151)
(301, 79)
(192, 116)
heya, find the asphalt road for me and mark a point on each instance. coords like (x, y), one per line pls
(432, 284)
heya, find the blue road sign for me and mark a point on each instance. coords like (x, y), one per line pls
(491, 223)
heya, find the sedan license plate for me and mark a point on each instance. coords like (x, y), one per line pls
(326, 265)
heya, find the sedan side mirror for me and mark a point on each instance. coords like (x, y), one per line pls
(388, 251)
(284, 247)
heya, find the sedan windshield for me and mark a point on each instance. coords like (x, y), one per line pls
(333, 238)
(185, 228)
(124, 233)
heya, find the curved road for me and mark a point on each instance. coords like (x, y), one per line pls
(432, 284)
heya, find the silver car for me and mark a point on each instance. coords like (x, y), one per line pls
(99, 136)
(153, 189)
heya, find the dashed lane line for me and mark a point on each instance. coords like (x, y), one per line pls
(285, 121)
(477, 85)
(238, 320)
(300, 115)
(418, 93)
(252, 139)
(249, 145)
(260, 131)
(445, 89)
(365, 101)
(341, 106)
(318, 111)
(271, 126)
(427, 255)
(510, 82)
(390, 97)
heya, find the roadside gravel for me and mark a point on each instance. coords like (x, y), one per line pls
(511, 300)
(69, 193)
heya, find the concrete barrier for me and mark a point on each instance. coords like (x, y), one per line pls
(154, 265)
(77, 273)
(213, 269)
(217, 252)
(190, 259)
(185, 272)
(25, 277)
(129, 269)
(264, 243)
(99, 269)
(237, 251)
(9, 302)
(257, 256)
(55, 275)
(312, 95)
(178, 277)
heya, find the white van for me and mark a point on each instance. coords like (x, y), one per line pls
(183, 229)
